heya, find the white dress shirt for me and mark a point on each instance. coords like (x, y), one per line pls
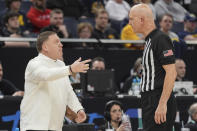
(47, 93)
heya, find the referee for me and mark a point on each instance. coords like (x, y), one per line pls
(159, 73)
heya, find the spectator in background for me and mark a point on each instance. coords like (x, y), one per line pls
(14, 6)
(102, 30)
(11, 23)
(98, 63)
(56, 24)
(170, 7)
(192, 124)
(71, 8)
(180, 69)
(127, 33)
(117, 9)
(7, 87)
(166, 23)
(135, 78)
(190, 30)
(12, 29)
(113, 114)
(38, 15)
(84, 30)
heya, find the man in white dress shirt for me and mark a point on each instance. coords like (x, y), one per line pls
(47, 87)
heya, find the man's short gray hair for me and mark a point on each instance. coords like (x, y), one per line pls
(193, 109)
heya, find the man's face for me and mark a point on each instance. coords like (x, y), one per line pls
(1, 72)
(53, 47)
(180, 68)
(56, 19)
(102, 20)
(40, 4)
(134, 21)
(116, 113)
(166, 23)
(190, 25)
(15, 5)
(98, 65)
(13, 22)
(85, 33)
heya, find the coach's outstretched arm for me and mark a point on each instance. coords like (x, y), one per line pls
(42, 73)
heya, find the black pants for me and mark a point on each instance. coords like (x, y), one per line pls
(149, 101)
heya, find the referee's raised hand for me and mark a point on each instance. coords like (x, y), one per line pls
(160, 114)
(80, 66)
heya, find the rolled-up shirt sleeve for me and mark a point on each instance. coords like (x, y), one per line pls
(73, 101)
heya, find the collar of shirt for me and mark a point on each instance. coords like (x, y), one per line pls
(46, 57)
(151, 34)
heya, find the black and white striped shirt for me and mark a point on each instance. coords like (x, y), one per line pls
(158, 51)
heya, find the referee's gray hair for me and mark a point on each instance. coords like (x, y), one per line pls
(192, 109)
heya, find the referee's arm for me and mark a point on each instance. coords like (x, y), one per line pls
(160, 113)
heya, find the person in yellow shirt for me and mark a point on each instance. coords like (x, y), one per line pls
(127, 33)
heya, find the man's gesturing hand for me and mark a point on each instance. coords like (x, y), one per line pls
(80, 66)
(81, 117)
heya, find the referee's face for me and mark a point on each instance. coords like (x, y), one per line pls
(116, 113)
(135, 22)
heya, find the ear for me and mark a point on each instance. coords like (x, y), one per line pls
(44, 47)
(142, 19)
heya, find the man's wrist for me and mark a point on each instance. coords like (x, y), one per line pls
(161, 102)
(70, 68)
(80, 110)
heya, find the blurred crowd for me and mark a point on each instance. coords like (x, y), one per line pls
(100, 19)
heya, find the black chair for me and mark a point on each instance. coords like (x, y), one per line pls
(71, 25)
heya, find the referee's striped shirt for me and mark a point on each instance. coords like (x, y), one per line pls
(158, 51)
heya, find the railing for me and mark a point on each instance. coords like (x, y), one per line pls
(74, 40)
